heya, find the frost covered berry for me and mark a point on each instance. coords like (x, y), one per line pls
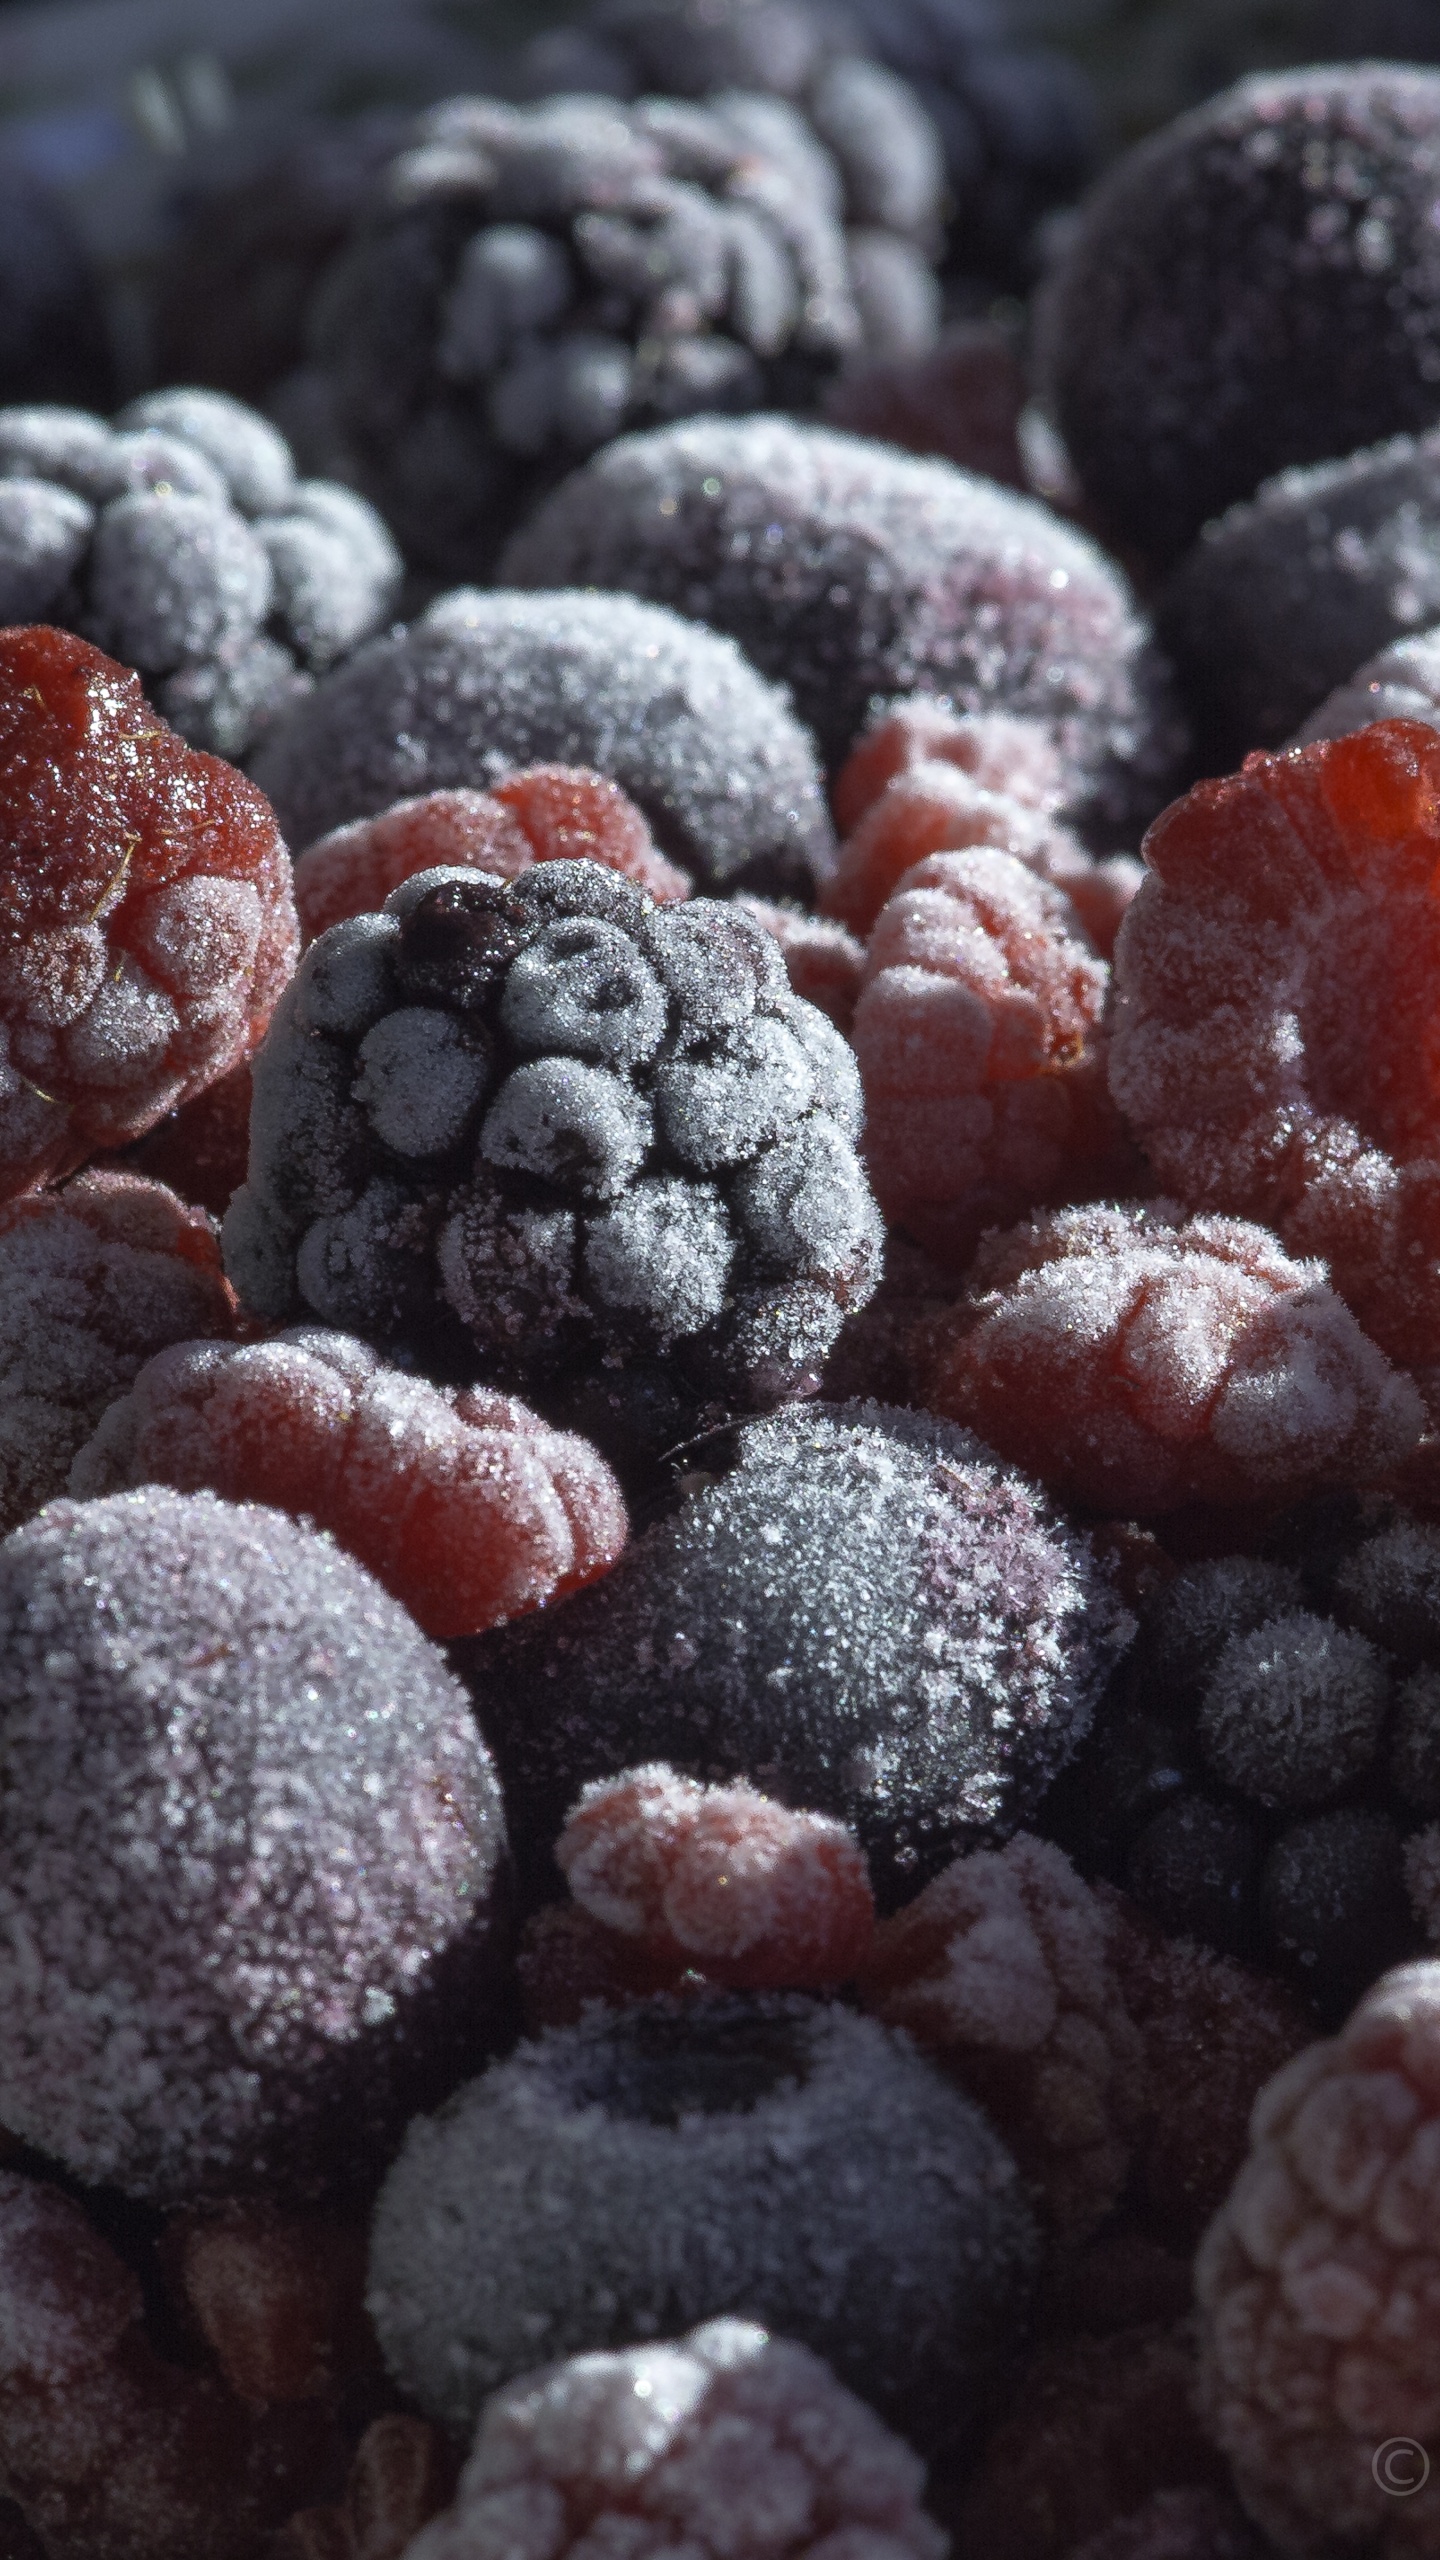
(727, 2443)
(1253, 287)
(1275, 982)
(250, 1851)
(956, 1636)
(1319, 2286)
(977, 1032)
(146, 918)
(533, 280)
(486, 684)
(651, 2166)
(718, 1880)
(1002, 1968)
(182, 541)
(460, 1501)
(549, 813)
(855, 573)
(1136, 1360)
(1400, 683)
(522, 1123)
(94, 1280)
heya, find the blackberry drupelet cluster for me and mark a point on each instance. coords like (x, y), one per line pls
(545, 1130)
(486, 683)
(868, 1616)
(1261, 1771)
(857, 574)
(1255, 286)
(534, 280)
(181, 540)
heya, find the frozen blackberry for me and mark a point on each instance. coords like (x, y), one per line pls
(655, 2165)
(1389, 1587)
(534, 1122)
(484, 684)
(54, 338)
(1290, 591)
(869, 1617)
(854, 573)
(1402, 683)
(724, 2444)
(181, 540)
(1294, 1711)
(147, 923)
(1336, 1906)
(1254, 287)
(534, 280)
(251, 1847)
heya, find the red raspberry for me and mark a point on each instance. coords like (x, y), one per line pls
(461, 1501)
(1000, 750)
(1319, 2289)
(1136, 1361)
(1278, 979)
(719, 1879)
(963, 399)
(550, 813)
(94, 1280)
(146, 918)
(977, 1037)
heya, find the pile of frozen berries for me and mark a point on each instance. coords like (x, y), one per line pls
(720, 1352)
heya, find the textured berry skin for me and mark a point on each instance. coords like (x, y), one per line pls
(186, 2008)
(1137, 1360)
(718, 1880)
(1255, 286)
(1001, 1967)
(978, 1037)
(552, 813)
(629, 2171)
(485, 684)
(1275, 981)
(1287, 594)
(1401, 683)
(181, 540)
(918, 1568)
(888, 576)
(1319, 2288)
(534, 280)
(522, 1123)
(823, 961)
(460, 1502)
(93, 1281)
(147, 924)
(729, 2442)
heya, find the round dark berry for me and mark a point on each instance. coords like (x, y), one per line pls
(1195, 1867)
(1335, 1906)
(650, 2167)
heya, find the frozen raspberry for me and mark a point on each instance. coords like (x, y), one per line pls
(720, 1880)
(148, 924)
(485, 684)
(460, 1501)
(1176, 2524)
(1337, 1912)
(1284, 595)
(1401, 683)
(956, 1636)
(1255, 286)
(1001, 1968)
(926, 781)
(403, 2473)
(855, 573)
(961, 401)
(978, 1039)
(1319, 2286)
(695, 2153)
(553, 813)
(1137, 1360)
(93, 1281)
(532, 280)
(202, 1149)
(823, 961)
(181, 540)
(1212, 2032)
(1096, 2425)
(570, 1122)
(1275, 978)
(250, 1847)
(727, 2444)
